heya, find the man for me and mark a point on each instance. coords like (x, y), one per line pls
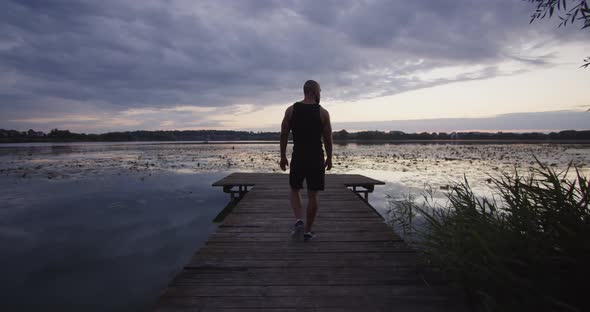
(310, 122)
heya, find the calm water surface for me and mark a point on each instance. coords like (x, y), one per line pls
(104, 226)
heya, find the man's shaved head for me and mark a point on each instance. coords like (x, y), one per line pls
(311, 87)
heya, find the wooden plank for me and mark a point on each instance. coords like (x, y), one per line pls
(243, 178)
(281, 237)
(356, 262)
(409, 257)
(318, 246)
(304, 290)
(416, 302)
(275, 278)
(273, 228)
(332, 272)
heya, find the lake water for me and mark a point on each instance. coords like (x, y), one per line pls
(105, 226)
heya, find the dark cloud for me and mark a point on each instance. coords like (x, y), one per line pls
(114, 55)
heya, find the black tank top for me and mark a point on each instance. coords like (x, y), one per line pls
(306, 125)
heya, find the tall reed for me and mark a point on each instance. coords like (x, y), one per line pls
(525, 249)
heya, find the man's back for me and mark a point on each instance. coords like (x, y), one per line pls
(306, 125)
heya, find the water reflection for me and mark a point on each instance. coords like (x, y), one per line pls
(109, 243)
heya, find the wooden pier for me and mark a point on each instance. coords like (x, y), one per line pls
(356, 262)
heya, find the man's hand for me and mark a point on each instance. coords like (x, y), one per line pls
(284, 163)
(328, 163)
(285, 129)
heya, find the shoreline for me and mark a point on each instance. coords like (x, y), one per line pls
(340, 142)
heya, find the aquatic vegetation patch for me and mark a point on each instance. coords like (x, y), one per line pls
(524, 249)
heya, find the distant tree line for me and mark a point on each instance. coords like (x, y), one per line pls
(57, 135)
(343, 135)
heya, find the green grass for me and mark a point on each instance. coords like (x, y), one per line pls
(526, 249)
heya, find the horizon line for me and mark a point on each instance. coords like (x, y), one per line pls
(545, 131)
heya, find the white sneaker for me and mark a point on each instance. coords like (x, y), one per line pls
(308, 236)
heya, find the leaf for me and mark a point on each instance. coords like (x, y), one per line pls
(574, 16)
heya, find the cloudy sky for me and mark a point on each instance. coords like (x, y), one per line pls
(97, 66)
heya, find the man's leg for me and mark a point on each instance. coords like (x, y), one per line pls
(295, 199)
(312, 209)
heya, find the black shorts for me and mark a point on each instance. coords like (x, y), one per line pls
(311, 170)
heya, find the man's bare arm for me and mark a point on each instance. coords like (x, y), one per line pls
(285, 129)
(327, 136)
